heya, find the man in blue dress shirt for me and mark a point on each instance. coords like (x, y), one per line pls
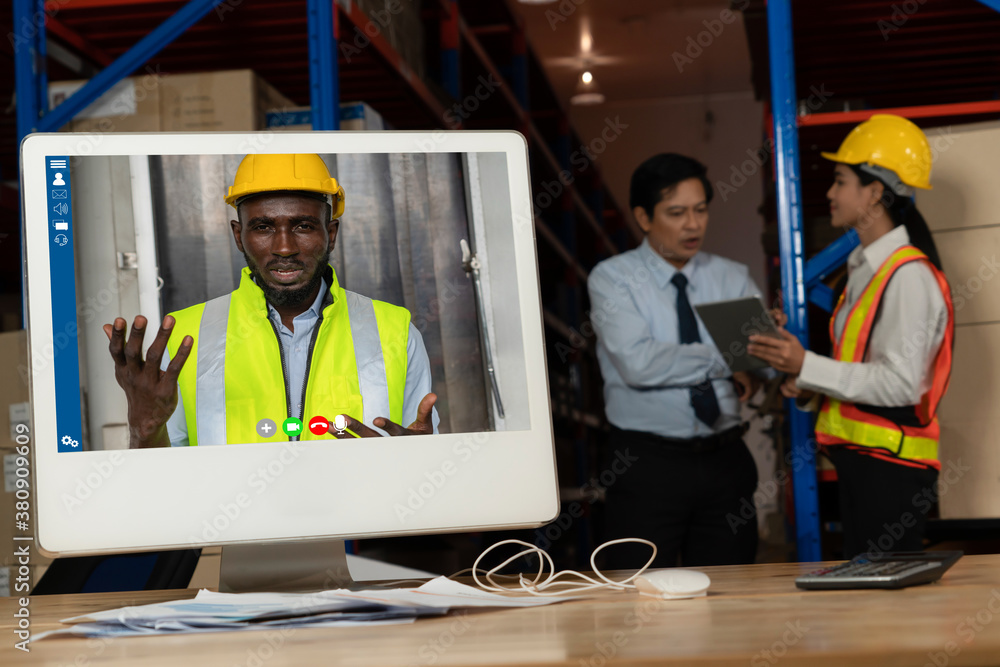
(671, 399)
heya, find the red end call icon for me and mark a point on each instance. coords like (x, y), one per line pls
(319, 425)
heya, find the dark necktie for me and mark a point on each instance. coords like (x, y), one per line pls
(703, 400)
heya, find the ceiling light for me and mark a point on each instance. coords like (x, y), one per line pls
(587, 91)
(586, 38)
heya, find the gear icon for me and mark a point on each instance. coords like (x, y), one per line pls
(66, 440)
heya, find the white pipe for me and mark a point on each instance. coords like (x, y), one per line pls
(148, 274)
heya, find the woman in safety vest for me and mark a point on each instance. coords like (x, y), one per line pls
(892, 334)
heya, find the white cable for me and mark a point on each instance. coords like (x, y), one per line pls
(539, 586)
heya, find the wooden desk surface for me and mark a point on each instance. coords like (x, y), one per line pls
(753, 616)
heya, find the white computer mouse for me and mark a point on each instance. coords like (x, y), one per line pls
(673, 584)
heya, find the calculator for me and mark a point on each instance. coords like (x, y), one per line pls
(897, 569)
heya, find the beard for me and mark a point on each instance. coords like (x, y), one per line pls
(288, 296)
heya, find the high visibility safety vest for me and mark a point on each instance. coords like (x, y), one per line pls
(234, 376)
(906, 435)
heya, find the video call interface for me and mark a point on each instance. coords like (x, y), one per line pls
(152, 235)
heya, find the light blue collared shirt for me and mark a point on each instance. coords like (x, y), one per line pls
(647, 372)
(295, 345)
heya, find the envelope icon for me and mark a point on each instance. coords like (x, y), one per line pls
(59, 194)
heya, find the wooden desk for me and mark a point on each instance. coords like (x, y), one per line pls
(753, 615)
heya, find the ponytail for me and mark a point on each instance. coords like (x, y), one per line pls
(902, 211)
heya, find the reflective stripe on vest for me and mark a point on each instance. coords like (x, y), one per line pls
(368, 356)
(844, 423)
(210, 386)
(234, 376)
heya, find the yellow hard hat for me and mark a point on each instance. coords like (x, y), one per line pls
(890, 142)
(303, 172)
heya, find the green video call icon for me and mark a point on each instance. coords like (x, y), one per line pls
(292, 427)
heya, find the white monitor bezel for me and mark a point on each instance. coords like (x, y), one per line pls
(129, 501)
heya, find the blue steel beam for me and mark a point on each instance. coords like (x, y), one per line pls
(822, 296)
(783, 104)
(28, 33)
(830, 258)
(30, 85)
(42, 66)
(450, 38)
(992, 4)
(125, 64)
(324, 84)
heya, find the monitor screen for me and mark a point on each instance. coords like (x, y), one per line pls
(153, 235)
(412, 317)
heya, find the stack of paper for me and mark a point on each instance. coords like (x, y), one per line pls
(214, 612)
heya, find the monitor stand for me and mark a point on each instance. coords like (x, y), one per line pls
(293, 567)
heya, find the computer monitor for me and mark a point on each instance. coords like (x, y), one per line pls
(439, 223)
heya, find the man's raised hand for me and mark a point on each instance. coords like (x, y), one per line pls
(151, 393)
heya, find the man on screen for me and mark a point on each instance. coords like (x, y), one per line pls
(289, 342)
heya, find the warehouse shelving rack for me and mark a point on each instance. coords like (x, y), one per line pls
(801, 280)
(583, 208)
(111, 39)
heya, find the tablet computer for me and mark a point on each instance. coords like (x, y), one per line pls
(731, 323)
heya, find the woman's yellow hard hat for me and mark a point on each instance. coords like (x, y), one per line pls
(303, 172)
(890, 142)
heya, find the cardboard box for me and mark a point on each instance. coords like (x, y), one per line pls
(353, 116)
(970, 260)
(9, 524)
(400, 23)
(235, 101)
(966, 161)
(14, 389)
(132, 105)
(969, 423)
(13, 410)
(9, 575)
(289, 119)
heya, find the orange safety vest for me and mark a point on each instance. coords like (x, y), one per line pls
(907, 435)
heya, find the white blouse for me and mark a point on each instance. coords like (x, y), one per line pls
(898, 366)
